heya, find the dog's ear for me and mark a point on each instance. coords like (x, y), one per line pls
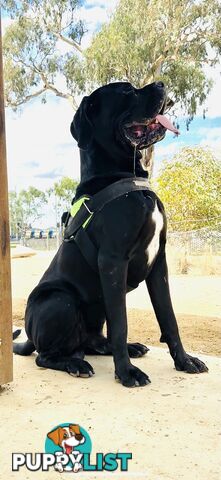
(81, 127)
(55, 435)
(75, 429)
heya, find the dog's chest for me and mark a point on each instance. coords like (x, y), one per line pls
(154, 244)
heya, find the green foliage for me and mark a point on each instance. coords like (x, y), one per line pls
(25, 207)
(150, 40)
(144, 41)
(189, 186)
(33, 60)
(62, 193)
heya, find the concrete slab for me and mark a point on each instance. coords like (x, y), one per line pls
(172, 427)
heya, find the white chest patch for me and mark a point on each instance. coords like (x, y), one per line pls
(153, 246)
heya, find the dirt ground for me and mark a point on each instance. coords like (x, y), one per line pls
(172, 427)
(196, 301)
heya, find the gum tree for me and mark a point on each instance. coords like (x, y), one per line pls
(42, 51)
(144, 40)
(150, 40)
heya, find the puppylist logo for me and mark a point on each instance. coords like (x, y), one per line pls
(68, 449)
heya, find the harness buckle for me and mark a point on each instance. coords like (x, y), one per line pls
(88, 209)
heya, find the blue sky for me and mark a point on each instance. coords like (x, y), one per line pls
(40, 148)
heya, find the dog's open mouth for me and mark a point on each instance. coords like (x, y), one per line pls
(151, 131)
(68, 448)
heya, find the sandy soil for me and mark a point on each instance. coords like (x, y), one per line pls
(172, 427)
(196, 299)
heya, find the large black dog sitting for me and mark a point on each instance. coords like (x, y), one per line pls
(67, 311)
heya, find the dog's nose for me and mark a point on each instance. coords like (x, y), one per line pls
(78, 436)
(159, 84)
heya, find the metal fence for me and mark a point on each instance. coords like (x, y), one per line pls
(196, 252)
(197, 242)
(193, 242)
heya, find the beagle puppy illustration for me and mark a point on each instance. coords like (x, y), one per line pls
(67, 438)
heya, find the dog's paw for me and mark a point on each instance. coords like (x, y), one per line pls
(136, 350)
(191, 365)
(133, 377)
(77, 467)
(58, 468)
(79, 368)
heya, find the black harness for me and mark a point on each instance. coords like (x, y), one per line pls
(75, 229)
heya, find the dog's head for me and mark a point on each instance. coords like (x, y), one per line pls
(120, 114)
(67, 437)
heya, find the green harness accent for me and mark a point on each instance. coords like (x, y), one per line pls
(84, 209)
(76, 207)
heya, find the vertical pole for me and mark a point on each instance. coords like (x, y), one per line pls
(6, 374)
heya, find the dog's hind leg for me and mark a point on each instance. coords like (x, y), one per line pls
(97, 343)
(25, 348)
(55, 323)
(75, 366)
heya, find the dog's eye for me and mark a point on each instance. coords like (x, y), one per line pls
(65, 435)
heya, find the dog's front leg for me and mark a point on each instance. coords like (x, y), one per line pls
(158, 287)
(113, 275)
(58, 465)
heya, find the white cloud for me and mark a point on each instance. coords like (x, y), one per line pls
(6, 22)
(96, 3)
(214, 145)
(167, 150)
(210, 134)
(213, 102)
(211, 137)
(98, 13)
(39, 142)
(163, 152)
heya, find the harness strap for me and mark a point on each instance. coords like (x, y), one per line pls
(84, 209)
(87, 248)
(115, 190)
(99, 200)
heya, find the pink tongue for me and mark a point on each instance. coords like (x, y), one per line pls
(167, 124)
(68, 449)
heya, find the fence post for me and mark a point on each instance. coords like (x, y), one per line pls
(5, 268)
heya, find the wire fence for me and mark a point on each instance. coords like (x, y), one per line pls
(196, 251)
(189, 251)
(199, 241)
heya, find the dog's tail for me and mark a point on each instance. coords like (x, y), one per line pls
(25, 348)
(16, 334)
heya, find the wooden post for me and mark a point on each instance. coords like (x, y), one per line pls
(6, 374)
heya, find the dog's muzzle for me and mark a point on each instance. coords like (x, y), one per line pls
(144, 134)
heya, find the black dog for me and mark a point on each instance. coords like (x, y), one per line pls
(66, 312)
